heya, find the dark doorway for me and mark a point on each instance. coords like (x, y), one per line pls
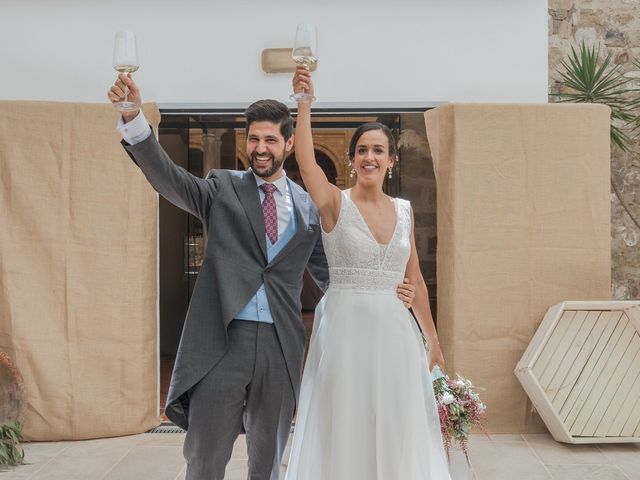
(199, 139)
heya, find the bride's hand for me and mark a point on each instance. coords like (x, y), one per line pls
(435, 356)
(302, 80)
(406, 292)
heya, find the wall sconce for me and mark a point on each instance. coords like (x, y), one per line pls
(278, 60)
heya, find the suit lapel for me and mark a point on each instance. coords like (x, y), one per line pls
(301, 205)
(247, 191)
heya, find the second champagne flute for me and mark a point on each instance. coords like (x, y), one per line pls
(305, 51)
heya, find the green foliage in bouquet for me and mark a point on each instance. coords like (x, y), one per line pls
(460, 409)
(11, 454)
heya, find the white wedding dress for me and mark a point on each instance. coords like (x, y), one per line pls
(367, 409)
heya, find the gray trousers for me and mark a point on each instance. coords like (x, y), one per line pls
(249, 386)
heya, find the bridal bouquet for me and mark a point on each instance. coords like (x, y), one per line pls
(459, 407)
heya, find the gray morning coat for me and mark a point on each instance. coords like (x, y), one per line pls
(234, 266)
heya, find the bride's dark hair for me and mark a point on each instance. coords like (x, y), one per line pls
(367, 127)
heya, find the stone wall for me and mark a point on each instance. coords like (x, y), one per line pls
(615, 26)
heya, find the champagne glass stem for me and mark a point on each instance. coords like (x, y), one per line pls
(126, 89)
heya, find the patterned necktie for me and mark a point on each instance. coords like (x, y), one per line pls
(269, 212)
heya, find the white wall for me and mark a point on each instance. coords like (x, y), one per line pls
(209, 51)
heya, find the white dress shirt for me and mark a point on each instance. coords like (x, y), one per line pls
(136, 130)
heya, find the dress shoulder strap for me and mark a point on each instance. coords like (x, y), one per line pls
(404, 213)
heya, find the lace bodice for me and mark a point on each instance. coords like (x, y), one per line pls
(356, 260)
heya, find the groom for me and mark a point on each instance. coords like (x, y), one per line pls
(240, 356)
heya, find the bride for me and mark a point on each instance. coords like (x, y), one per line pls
(367, 409)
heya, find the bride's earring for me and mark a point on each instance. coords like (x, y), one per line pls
(352, 172)
(390, 172)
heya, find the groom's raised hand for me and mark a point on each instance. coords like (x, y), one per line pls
(117, 93)
(406, 292)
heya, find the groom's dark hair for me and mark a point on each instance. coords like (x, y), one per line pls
(271, 111)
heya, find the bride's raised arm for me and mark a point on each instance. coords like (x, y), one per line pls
(324, 194)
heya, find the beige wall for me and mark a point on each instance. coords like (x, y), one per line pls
(523, 224)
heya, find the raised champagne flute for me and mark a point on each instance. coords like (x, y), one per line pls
(125, 60)
(305, 51)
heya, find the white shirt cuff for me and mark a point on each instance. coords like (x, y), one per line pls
(136, 130)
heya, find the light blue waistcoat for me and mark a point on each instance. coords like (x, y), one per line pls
(258, 307)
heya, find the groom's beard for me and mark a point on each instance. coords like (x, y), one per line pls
(268, 171)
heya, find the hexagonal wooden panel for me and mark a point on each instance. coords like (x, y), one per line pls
(582, 371)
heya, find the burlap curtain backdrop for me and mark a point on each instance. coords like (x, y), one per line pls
(78, 281)
(523, 223)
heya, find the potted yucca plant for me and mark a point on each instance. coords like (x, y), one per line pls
(11, 454)
(12, 408)
(587, 77)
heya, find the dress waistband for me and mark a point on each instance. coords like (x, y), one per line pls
(363, 279)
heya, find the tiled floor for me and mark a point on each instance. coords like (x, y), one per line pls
(159, 457)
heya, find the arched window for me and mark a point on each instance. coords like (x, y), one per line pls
(293, 171)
